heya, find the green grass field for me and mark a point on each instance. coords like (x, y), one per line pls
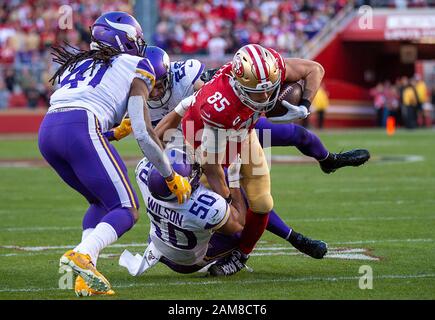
(380, 215)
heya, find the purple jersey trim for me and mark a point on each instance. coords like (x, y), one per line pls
(199, 73)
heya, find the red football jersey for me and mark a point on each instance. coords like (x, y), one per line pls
(217, 105)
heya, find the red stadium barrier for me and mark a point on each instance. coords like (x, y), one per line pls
(21, 121)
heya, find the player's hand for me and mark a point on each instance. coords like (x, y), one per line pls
(299, 112)
(180, 187)
(234, 173)
(293, 113)
(123, 130)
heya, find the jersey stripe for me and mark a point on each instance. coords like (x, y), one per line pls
(224, 220)
(201, 69)
(147, 75)
(115, 163)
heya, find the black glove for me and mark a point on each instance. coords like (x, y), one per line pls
(208, 74)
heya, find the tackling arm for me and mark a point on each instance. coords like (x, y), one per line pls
(150, 144)
(143, 130)
(310, 71)
(236, 220)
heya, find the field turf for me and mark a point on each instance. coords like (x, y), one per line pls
(380, 215)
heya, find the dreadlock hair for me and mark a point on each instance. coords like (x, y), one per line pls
(68, 59)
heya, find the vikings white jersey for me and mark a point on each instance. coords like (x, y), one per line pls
(105, 90)
(184, 76)
(181, 232)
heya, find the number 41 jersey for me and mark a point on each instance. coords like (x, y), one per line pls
(105, 90)
(182, 232)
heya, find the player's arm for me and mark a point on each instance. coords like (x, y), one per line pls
(237, 207)
(149, 142)
(310, 71)
(198, 85)
(173, 118)
(213, 145)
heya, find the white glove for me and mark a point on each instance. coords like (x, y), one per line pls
(234, 173)
(293, 113)
(184, 105)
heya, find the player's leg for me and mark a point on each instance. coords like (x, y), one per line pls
(100, 171)
(314, 248)
(271, 135)
(105, 175)
(53, 145)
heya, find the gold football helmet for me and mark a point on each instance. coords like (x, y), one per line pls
(256, 77)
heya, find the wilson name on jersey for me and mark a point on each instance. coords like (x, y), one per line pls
(105, 90)
(182, 232)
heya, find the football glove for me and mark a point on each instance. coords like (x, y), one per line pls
(123, 130)
(293, 113)
(234, 173)
(180, 187)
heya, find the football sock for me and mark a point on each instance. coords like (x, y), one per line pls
(86, 232)
(121, 219)
(93, 216)
(290, 134)
(308, 143)
(102, 236)
(277, 226)
(254, 228)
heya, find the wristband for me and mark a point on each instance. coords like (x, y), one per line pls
(110, 135)
(306, 103)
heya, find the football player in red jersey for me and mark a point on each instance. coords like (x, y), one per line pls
(225, 110)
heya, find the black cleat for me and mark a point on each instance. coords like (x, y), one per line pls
(352, 158)
(229, 265)
(314, 248)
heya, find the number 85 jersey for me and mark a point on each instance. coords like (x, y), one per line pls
(103, 91)
(216, 105)
(182, 232)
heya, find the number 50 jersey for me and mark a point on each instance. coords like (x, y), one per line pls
(105, 90)
(182, 232)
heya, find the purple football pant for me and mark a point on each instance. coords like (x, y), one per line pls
(219, 246)
(72, 143)
(290, 134)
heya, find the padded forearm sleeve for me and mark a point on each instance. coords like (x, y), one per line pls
(149, 147)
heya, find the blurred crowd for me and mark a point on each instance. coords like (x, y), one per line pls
(409, 101)
(27, 31)
(28, 28)
(217, 27)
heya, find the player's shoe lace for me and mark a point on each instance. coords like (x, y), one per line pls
(353, 158)
(229, 265)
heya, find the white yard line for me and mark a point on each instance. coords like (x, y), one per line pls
(328, 219)
(127, 245)
(241, 282)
